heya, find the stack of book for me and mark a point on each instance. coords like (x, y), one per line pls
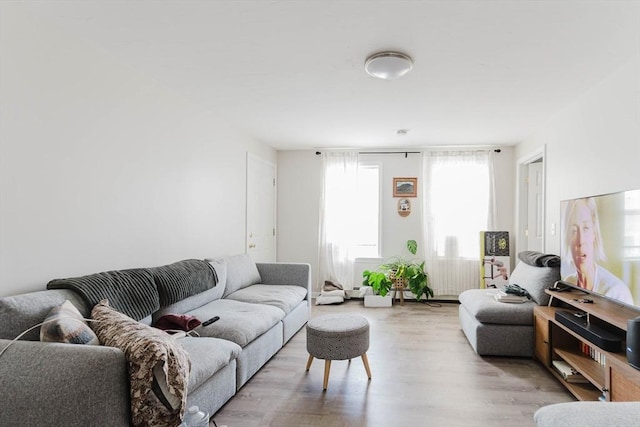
(502, 296)
(569, 374)
(593, 353)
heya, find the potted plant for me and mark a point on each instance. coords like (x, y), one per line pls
(381, 285)
(400, 273)
(379, 281)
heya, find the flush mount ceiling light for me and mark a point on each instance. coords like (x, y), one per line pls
(388, 65)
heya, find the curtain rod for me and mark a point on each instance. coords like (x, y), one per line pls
(406, 153)
(390, 152)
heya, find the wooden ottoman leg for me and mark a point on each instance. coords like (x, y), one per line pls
(309, 362)
(366, 364)
(327, 367)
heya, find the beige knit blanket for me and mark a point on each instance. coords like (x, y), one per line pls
(158, 366)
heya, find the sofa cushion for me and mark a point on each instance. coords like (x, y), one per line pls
(285, 297)
(208, 356)
(21, 312)
(241, 272)
(220, 266)
(535, 280)
(65, 324)
(481, 304)
(239, 322)
(187, 304)
(158, 366)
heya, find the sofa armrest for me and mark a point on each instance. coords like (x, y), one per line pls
(282, 273)
(63, 384)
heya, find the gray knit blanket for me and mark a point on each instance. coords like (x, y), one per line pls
(141, 291)
(538, 259)
(132, 292)
(182, 279)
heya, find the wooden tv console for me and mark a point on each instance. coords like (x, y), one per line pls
(609, 375)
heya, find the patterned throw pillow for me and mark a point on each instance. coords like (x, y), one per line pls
(158, 366)
(65, 324)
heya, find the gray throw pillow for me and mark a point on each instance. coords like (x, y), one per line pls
(65, 324)
(241, 272)
(535, 280)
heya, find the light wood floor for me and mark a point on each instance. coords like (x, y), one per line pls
(424, 373)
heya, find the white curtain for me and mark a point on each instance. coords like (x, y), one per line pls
(337, 217)
(459, 202)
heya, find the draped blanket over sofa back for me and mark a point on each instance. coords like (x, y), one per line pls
(141, 291)
(132, 292)
(182, 279)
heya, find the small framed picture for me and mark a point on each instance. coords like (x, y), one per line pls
(405, 187)
(404, 207)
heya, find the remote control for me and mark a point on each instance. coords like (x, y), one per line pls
(210, 321)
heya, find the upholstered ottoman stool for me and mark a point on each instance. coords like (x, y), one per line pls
(337, 337)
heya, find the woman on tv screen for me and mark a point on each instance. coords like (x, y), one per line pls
(583, 241)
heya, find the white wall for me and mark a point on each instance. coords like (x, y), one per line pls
(102, 169)
(299, 176)
(299, 190)
(593, 145)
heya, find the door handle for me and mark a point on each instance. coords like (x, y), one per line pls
(252, 245)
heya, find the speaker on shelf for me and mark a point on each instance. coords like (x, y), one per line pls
(633, 342)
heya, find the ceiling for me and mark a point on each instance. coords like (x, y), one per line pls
(290, 73)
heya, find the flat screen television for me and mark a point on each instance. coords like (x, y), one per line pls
(600, 245)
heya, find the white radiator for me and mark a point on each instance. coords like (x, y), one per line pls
(453, 276)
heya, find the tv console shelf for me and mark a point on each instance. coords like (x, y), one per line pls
(607, 373)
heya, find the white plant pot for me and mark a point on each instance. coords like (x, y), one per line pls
(378, 301)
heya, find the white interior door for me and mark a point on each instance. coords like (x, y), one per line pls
(535, 206)
(261, 209)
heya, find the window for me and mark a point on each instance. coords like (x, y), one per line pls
(349, 206)
(367, 203)
(459, 205)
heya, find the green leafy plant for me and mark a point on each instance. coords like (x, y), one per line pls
(412, 272)
(379, 281)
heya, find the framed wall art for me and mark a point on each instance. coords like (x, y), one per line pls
(405, 187)
(404, 207)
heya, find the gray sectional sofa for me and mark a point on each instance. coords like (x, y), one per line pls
(504, 329)
(261, 306)
(589, 414)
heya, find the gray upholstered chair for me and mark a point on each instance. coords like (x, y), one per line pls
(503, 329)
